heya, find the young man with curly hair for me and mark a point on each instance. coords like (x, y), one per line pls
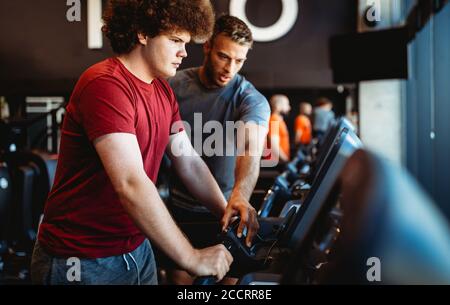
(216, 92)
(104, 209)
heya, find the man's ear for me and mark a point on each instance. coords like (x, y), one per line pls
(207, 47)
(142, 39)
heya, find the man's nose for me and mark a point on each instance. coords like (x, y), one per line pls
(230, 67)
(227, 67)
(182, 52)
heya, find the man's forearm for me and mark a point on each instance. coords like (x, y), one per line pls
(283, 156)
(277, 153)
(298, 136)
(202, 185)
(251, 142)
(246, 175)
(141, 201)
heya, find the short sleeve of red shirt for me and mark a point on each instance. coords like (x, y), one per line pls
(106, 107)
(176, 123)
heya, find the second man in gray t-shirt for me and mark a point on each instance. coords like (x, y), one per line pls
(227, 119)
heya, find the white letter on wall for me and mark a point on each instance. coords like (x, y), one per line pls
(94, 24)
(284, 24)
(73, 13)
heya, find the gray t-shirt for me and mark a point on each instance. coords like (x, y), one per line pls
(323, 119)
(237, 101)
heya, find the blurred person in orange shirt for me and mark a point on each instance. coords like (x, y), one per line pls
(303, 127)
(278, 136)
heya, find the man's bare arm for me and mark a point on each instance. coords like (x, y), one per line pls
(250, 143)
(276, 152)
(195, 174)
(298, 136)
(121, 158)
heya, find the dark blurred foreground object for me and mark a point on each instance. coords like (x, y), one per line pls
(26, 178)
(387, 220)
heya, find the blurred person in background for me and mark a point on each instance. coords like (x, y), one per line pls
(303, 126)
(278, 137)
(323, 117)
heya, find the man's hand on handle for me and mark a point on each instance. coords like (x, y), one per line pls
(239, 206)
(215, 261)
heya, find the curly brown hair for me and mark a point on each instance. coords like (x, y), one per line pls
(234, 28)
(124, 19)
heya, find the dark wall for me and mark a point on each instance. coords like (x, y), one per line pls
(42, 53)
(40, 49)
(428, 107)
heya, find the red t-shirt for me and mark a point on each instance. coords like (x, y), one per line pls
(83, 216)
